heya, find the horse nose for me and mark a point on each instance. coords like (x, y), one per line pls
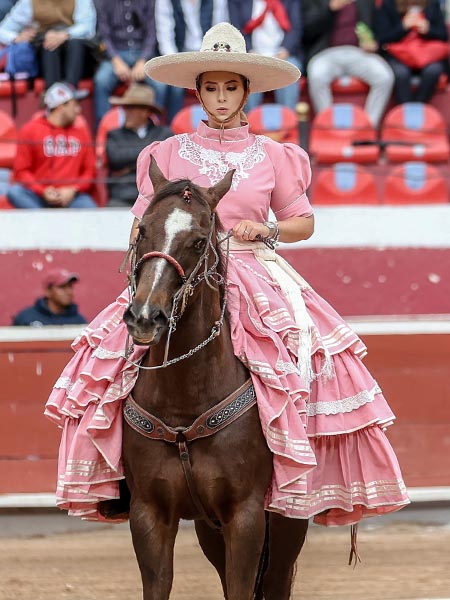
(143, 314)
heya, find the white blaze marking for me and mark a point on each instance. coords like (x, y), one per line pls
(178, 221)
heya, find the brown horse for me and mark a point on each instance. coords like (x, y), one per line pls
(178, 309)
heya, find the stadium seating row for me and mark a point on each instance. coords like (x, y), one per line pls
(411, 131)
(352, 184)
(413, 182)
(414, 134)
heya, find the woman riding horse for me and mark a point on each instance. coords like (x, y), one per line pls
(322, 413)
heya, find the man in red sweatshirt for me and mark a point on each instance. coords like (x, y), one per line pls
(55, 162)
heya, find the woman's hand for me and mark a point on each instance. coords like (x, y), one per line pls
(121, 69)
(137, 72)
(423, 26)
(336, 5)
(246, 231)
(54, 39)
(26, 35)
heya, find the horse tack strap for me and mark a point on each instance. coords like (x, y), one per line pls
(210, 422)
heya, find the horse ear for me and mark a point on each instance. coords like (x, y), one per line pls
(156, 177)
(218, 191)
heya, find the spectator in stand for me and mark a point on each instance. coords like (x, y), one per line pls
(57, 28)
(124, 145)
(394, 19)
(180, 25)
(55, 164)
(57, 306)
(5, 7)
(271, 28)
(127, 29)
(333, 50)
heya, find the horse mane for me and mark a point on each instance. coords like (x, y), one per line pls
(177, 188)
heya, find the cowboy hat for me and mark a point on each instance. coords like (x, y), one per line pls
(137, 94)
(223, 49)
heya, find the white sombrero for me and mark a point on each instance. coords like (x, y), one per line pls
(223, 49)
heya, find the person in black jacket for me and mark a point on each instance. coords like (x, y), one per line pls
(57, 306)
(334, 48)
(394, 19)
(271, 29)
(123, 145)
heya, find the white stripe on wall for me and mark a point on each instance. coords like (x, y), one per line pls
(340, 226)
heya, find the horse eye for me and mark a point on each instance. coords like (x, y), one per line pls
(199, 244)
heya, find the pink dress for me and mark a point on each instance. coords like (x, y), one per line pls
(324, 425)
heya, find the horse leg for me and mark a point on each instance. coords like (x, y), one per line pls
(213, 547)
(286, 540)
(244, 539)
(153, 541)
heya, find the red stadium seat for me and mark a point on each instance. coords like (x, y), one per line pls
(113, 119)
(345, 183)
(349, 85)
(420, 131)
(4, 203)
(84, 84)
(275, 121)
(187, 119)
(334, 132)
(415, 183)
(20, 87)
(8, 137)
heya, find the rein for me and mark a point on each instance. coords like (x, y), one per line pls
(180, 299)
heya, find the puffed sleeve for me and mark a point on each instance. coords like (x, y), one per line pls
(292, 179)
(144, 185)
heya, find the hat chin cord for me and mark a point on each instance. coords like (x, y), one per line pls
(228, 119)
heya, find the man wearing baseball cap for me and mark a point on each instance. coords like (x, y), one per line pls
(55, 164)
(57, 306)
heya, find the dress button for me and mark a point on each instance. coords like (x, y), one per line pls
(130, 42)
(130, 28)
(127, 16)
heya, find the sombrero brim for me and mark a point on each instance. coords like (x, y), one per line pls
(182, 69)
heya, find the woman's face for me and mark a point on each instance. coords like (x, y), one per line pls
(222, 94)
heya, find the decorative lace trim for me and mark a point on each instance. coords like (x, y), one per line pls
(287, 367)
(64, 383)
(297, 448)
(357, 491)
(345, 405)
(215, 164)
(103, 353)
(255, 273)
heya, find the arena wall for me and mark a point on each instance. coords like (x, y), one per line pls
(385, 269)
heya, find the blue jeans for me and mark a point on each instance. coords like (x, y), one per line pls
(288, 96)
(21, 197)
(105, 81)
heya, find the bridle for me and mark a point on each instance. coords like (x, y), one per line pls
(201, 272)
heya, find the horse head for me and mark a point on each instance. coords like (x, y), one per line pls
(172, 247)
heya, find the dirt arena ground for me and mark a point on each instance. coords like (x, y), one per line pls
(401, 561)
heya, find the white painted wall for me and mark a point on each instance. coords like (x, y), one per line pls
(426, 226)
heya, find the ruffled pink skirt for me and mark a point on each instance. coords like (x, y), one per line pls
(331, 457)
